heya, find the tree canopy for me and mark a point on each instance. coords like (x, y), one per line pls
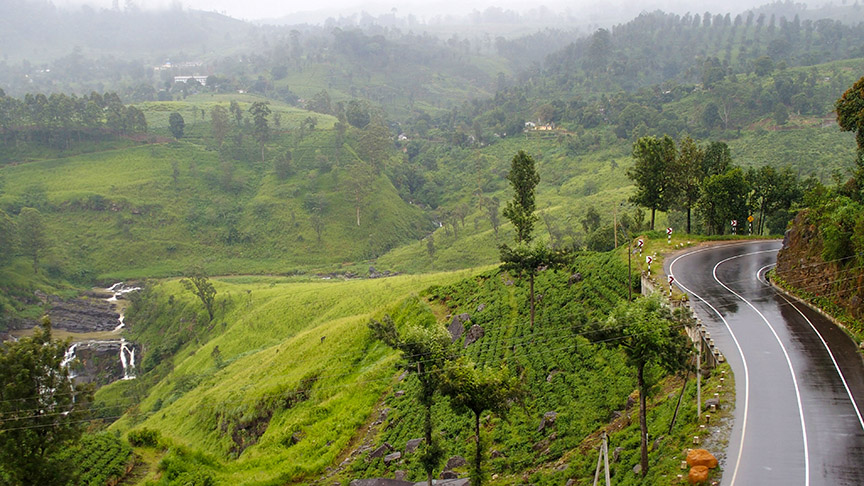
(523, 179)
(43, 412)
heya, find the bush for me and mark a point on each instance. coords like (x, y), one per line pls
(144, 438)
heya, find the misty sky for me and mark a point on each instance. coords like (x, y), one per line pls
(321, 9)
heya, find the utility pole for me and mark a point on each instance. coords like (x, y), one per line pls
(629, 270)
(603, 459)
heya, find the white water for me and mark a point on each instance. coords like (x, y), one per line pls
(127, 351)
(117, 290)
(128, 364)
(67, 359)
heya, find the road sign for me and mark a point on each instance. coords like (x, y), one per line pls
(640, 242)
(671, 279)
(734, 223)
(750, 219)
(669, 231)
(649, 259)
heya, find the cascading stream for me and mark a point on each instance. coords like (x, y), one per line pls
(126, 349)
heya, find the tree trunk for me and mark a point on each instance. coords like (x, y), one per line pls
(643, 419)
(652, 219)
(531, 286)
(477, 478)
(358, 213)
(688, 219)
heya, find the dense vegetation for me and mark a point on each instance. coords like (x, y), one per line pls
(310, 156)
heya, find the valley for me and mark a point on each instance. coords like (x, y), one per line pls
(252, 253)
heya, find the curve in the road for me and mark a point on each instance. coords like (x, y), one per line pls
(740, 353)
(785, 354)
(810, 366)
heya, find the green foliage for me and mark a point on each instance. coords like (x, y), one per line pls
(31, 230)
(653, 173)
(199, 284)
(176, 124)
(99, 459)
(646, 332)
(523, 179)
(723, 199)
(43, 412)
(143, 437)
(8, 238)
(850, 111)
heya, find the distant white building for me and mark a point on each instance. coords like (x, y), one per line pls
(185, 79)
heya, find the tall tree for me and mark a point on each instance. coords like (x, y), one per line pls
(424, 349)
(315, 204)
(523, 178)
(850, 117)
(717, 159)
(219, 123)
(723, 198)
(199, 284)
(176, 124)
(652, 173)
(260, 111)
(850, 111)
(8, 238)
(31, 229)
(524, 259)
(359, 184)
(475, 390)
(644, 329)
(374, 143)
(43, 412)
(688, 168)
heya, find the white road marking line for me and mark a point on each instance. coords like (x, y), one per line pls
(785, 353)
(824, 343)
(740, 353)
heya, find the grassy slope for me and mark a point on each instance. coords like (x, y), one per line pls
(120, 213)
(272, 339)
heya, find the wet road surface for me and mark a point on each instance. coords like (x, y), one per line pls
(799, 379)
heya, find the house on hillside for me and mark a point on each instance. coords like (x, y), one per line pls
(202, 80)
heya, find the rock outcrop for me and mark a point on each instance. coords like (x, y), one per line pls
(800, 264)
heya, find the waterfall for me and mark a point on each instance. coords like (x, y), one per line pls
(67, 359)
(128, 364)
(117, 290)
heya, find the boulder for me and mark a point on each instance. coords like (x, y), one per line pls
(391, 458)
(547, 420)
(541, 446)
(701, 457)
(476, 332)
(712, 401)
(481, 307)
(575, 278)
(448, 475)
(454, 462)
(457, 326)
(380, 451)
(637, 469)
(412, 445)
(400, 475)
(380, 482)
(697, 475)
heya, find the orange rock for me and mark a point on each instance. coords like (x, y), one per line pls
(701, 457)
(698, 474)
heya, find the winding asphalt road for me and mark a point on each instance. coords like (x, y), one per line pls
(799, 379)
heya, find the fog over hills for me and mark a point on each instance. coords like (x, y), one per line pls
(581, 11)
